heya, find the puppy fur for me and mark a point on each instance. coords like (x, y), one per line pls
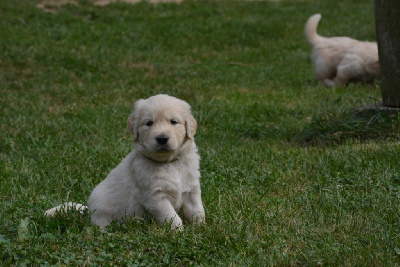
(340, 60)
(159, 177)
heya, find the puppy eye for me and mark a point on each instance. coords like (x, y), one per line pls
(173, 122)
(149, 123)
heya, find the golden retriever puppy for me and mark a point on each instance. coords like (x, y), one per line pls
(340, 60)
(160, 176)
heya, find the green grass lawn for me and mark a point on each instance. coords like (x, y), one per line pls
(291, 174)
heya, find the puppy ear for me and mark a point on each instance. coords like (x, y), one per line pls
(133, 126)
(191, 126)
(133, 120)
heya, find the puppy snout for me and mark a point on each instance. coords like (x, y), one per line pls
(162, 139)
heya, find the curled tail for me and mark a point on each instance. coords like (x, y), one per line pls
(311, 29)
(64, 208)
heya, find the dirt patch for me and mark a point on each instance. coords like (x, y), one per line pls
(52, 5)
(106, 2)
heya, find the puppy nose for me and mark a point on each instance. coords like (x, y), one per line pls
(162, 139)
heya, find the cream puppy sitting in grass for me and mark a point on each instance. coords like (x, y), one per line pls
(340, 60)
(159, 177)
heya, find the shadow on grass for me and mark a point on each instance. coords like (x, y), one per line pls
(332, 128)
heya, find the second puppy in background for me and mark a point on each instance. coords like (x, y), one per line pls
(340, 60)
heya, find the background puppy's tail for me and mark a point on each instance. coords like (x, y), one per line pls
(64, 208)
(311, 29)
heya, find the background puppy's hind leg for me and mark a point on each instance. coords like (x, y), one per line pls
(329, 83)
(345, 73)
(351, 67)
(341, 81)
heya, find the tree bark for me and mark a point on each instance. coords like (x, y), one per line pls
(387, 21)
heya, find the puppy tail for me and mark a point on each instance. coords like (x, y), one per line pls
(64, 208)
(311, 29)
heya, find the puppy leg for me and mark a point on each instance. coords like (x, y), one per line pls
(341, 80)
(329, 83)
(323, 68)
(164, 212)
(193, 209)
(345, 73)
(101, 219)
(351, 67)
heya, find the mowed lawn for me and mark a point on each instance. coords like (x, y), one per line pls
(292, 174)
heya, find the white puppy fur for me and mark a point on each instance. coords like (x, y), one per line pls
(340, 60)
(160, 176)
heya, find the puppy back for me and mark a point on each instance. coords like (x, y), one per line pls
(311, 29)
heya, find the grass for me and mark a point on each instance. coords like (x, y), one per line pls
(333, 127)
(290, 176)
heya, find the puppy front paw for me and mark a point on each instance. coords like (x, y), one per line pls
(177, 224)
(198, 218)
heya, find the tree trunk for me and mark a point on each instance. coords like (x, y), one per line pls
(387, 21)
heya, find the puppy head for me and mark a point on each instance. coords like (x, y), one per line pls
(373, 69)
(370, 53)
(377, 68)
(161, 125)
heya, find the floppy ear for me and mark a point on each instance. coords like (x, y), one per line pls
(191, 126)
(133, 121)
